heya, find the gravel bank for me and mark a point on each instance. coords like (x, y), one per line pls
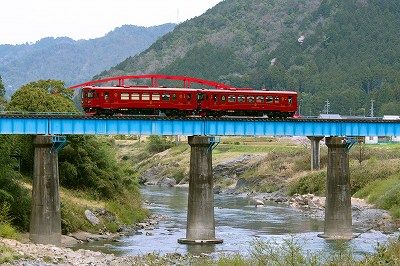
(33, 254)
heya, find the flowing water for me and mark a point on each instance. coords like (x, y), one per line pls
(238, 223)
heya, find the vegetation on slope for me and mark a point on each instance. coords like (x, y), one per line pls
(349, 54)
(88, 167)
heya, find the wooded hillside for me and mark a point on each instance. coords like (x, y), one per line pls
(343, 51)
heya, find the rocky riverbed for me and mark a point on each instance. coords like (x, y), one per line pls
(43, 255)
(364, 215)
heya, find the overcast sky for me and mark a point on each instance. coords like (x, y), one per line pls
(30, 20)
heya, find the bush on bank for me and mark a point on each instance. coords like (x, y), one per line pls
(87, 163)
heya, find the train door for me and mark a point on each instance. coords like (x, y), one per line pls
(200, 99)
(106, 100)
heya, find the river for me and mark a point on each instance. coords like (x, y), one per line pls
(238, 223)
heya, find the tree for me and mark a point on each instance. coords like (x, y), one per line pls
(2, 94)
(2, 89)
(87, 162)
(42, 96)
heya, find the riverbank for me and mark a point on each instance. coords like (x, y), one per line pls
(14, 252)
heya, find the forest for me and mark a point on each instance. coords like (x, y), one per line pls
(344, 52)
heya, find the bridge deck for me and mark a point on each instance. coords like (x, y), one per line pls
(136, 125)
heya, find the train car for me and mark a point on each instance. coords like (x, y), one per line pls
(139, 100)
(249, 102)
(147, 100)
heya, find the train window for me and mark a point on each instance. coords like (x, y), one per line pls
(155, 97)
(174, 97)
(269, 99)
(215, 97)
(276, 99)
(106, 95)
(166, 97)
(260, 99)
(241, 98)
(90, 94)
(223, 98)
(135, 97)
(231, 98)
(124, 96)
(290, 100)
(145, 97)
(250, 99)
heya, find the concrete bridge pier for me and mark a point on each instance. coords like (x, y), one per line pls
(200, 228)
(315, 152)
(338, 221)
(45, 224)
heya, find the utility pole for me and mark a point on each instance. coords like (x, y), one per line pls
(372, 108)
(327, 105)
(300, 102)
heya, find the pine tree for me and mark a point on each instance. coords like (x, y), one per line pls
(2, 89)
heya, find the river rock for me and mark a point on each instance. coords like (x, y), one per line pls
(234, 167)
(217, 189)
(85, 236)
(256, 201)
(91, 217)
(166, 182)
(69, 241)
(151, 175)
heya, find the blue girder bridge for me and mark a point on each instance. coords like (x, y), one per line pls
(56, 124)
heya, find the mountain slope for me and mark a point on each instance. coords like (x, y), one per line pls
(244, 29)
(346, 52)
(73, 61)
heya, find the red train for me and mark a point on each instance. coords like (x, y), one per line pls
(212, 99)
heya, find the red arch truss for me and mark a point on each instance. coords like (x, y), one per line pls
(187, 81)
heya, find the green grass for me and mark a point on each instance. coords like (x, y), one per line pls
(8, 231)
(257, 148)
(8, 255)
(73, 218)
(126, 210)
(384, 193)
(371, 170)
(290, 253)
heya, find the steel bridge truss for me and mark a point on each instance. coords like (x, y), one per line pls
(66, 125)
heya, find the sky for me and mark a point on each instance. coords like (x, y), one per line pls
(24, 21)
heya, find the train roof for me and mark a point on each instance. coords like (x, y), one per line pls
(237, 90)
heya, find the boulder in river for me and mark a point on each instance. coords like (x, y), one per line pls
(167, 182)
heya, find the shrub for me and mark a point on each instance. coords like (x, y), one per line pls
(17, 198)
(8, 231)
(313, 182)
(91, 163)
(158, 144)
